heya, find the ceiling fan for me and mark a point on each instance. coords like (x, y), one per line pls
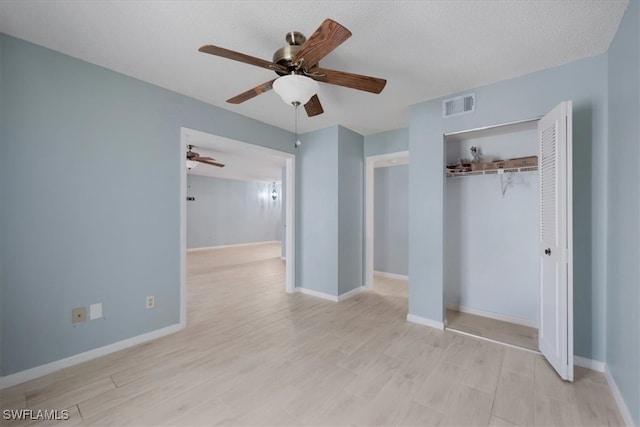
(195, 157)
(300, 58)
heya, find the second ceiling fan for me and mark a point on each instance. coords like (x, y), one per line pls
(300, 59)
(192, 156)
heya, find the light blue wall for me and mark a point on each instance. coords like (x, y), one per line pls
(533, 95)
(283, 213)
(390, 219)
(93, 161)
(329, 193)
(317, 219)
(426, 208)
(3, 184)
(623, 286)
(386, 142)
(350, 209)
(230, 212)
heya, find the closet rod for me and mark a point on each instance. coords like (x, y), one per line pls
(517, 122)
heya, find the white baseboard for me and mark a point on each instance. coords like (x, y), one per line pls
(330, 297)
(317, 294)
(622, 405)
(391, 275)
(351, 293)
(594, 365)
(38, 371)
(492, 315)
(424, 321)
(232, 246)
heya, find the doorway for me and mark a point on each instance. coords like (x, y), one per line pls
(286, 191)
(386, 234)
(491, 235)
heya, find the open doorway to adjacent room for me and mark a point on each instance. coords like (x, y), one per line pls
(237, 224)
(387, 221)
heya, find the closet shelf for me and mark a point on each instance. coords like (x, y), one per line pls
(492, 171)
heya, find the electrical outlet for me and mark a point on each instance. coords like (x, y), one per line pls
(151, 302)
(79, 315)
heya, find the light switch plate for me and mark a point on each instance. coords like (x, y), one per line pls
(95, 311)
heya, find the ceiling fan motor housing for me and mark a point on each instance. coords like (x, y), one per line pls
(284, 56)
(191, 154)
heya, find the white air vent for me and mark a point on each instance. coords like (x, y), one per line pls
(459, 105)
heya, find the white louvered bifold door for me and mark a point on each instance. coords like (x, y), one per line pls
(555, 248)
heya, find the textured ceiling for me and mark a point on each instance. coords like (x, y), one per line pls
(425, 49)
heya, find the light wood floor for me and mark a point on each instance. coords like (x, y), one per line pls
(510, 333)
(253, 355)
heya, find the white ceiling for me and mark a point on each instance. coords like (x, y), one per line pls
(425, 49)
(242, 161)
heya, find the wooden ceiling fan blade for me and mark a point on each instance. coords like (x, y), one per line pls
(252, 93)
(353, 81)
(313, 107)
(241, 57)
(327, 37)
(210, 159)
(206, 162)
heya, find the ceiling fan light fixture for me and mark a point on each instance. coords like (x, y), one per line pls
(295, 89)
(191, 164)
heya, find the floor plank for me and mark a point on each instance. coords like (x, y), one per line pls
(485, 366)
(514, 399)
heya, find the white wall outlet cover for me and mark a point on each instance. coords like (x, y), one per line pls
(151, 302)
(95, 311)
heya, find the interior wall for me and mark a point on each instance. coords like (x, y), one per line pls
(230, 212)
(390, 219)
(392, 141)
(3, 184)
(350, 210)
(533, 95)
(491, 239)
(623, 290)
(317, 200)
(94, 216)
(330, 197)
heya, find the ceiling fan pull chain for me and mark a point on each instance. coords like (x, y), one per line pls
(297, 141)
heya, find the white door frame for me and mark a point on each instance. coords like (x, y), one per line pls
(290, 220)
(382, 160)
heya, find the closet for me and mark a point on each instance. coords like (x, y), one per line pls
(507, 235)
